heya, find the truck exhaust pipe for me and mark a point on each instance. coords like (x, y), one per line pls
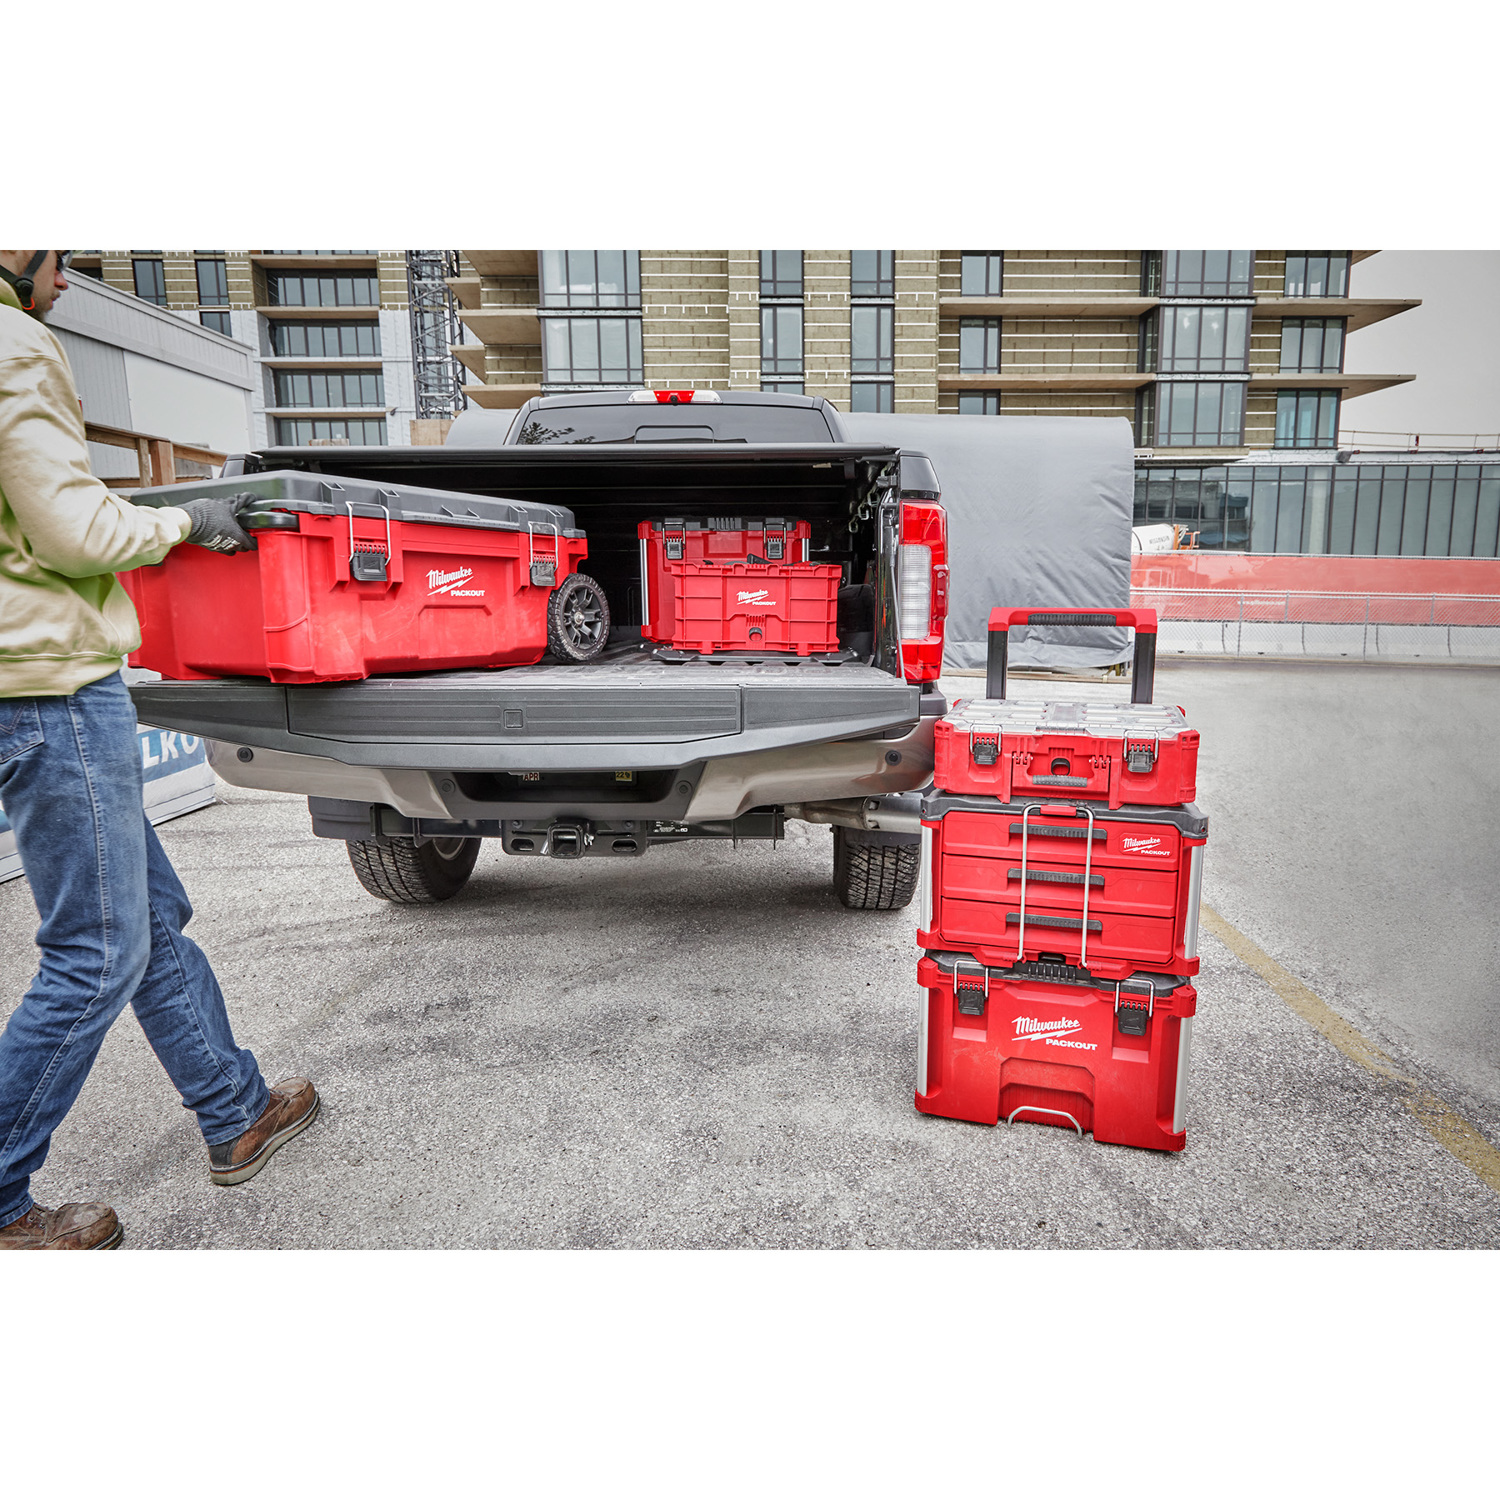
(897, 812)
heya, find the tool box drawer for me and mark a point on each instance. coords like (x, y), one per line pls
(1111, 888)
(1057, 834)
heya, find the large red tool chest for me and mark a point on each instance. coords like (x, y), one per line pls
(736, 583)
(1102, 891)
(1111, 1059)
(351, 579)
(1140, 753)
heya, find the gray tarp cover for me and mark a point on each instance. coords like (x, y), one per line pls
(1039, 513)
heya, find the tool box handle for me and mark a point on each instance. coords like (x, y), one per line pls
(1143, 671)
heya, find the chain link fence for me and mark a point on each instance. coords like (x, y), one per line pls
(1369, 627)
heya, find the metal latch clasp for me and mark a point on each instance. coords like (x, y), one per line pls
(543, 569)
(1130, 1015)
(984, 748)
(1140, 755)
(674, 546)
(972, 999)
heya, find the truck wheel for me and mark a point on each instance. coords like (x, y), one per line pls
(874, 877)
(410, 873)
(577, 619)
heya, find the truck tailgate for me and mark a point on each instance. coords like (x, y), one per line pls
(626, 710)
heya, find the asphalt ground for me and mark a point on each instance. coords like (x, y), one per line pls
(702, 1048)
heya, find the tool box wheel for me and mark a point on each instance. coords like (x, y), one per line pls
(413, 874)
(577, 619)
(874, 877)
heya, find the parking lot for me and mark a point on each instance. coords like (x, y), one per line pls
(701, 1048)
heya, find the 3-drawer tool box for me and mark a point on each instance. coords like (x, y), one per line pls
(1111, 1059)
(1099, 891)
(350, 579)
(1119, 753)
(735, 583)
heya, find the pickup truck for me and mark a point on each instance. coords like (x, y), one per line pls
(642, 745)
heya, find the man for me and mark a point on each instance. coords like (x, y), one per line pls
(112, 908)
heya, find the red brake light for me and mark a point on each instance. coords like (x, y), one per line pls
(922, 577)
(672, 397)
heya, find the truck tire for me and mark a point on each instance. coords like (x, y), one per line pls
(577, 619)
(874, 876)
(410, 873)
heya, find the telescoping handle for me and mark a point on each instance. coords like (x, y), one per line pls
(1143, 672)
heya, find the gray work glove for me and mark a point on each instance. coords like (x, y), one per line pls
(216, 523)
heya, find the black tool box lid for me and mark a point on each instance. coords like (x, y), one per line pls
(313, 494)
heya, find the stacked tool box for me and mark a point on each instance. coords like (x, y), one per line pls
(736, 583)
(1061, 873)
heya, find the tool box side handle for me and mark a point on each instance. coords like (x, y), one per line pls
(1143, 670)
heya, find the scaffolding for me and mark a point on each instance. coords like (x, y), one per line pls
(436, 375)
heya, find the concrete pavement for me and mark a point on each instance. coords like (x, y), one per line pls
(702, 1048)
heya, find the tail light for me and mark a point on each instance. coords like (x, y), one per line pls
(922, 589)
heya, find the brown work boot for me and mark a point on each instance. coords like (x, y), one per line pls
(293, 1107)
(74, 1226)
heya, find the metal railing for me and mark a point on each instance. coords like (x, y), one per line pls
(1289, 622)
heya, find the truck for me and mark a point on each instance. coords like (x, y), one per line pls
(643, 744)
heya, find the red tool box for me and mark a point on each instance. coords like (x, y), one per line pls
(1138, 753)
(1111, 1059)
(1101, 892)
(350, 579)
(736, 584)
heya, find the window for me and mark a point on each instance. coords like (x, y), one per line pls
(872, 273)
(1307, 419)
(1145, 415)
(1200, 414)
(591, 278)
(216, 319)
(871, 340)
(1207, 273)
(781, 273)
(1150, 273)
(781, 340)
(1312, 344)
(150, 281)
(593, 351)
(1210, 340)
(872, 395)
(786, 387)
(295, 431)
(1317, 273)
(980, 273)
(1145, 343)
(213, 284)
(329, 388)
(979, 346)
(1360, 509)
(326, 340)
(979, 403)
(323, 290)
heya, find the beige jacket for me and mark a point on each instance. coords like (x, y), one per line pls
(64, 619)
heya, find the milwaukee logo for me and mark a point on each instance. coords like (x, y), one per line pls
(1029, 1026)
(755, 596)
(439, 582)
(1143, 846)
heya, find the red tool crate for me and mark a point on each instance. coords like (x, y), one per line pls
(1136, 753)
(349, 580)
(1102, 893)
(1111, 1059)
(734, 583)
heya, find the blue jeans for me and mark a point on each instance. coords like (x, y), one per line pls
(112, 911)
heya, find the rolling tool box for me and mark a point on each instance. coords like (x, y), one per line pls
(1093, 891)
(735, 583)
(1139, 753)
(352, 579)
(1111, 1059)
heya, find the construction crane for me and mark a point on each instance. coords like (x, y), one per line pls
(436, 376)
